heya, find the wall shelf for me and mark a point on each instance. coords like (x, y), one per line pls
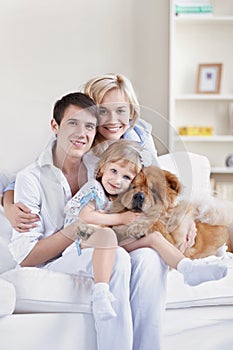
(196, 39)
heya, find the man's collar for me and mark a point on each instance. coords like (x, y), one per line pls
(46, 157)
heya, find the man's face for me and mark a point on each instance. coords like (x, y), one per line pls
(76, 132)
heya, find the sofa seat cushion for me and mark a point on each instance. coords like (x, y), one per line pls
(7, 297)
(41, 290)
(180, 295)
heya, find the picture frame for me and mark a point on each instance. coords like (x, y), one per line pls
(209, 78)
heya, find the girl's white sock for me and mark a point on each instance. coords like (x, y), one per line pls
(101, 302)
(197, 271)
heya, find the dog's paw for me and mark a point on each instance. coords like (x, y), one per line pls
(84, 231)
(137, 231)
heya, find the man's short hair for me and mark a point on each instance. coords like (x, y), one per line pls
(76, 99)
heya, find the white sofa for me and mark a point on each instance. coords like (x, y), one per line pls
(44, 310)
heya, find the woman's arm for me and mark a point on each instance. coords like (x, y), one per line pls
(146, 242)
(8, 199)
(91, 216)
(19, 215)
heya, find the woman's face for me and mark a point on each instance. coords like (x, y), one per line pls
(114, 115)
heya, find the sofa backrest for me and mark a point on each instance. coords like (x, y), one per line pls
(193, 170)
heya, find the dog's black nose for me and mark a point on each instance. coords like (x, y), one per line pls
(138, 200)
(139, 196)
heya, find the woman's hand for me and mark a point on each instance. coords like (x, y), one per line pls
(20, 217)
(190, 238)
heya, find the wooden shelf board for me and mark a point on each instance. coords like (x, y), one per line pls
(222, 170)
(215, 138)
(195, 18)
(220, 97)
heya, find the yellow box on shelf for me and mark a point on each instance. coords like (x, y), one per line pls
(196, 131)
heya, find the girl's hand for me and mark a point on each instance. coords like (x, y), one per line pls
(20, 217)
(130, 216)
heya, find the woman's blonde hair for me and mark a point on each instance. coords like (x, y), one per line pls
(96, 89)
(124, 152)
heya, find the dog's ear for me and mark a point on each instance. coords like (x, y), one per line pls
(139, 180)
(173, 182)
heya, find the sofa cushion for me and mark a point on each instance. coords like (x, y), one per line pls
(7, 297)
(180, 295)
(41, 290)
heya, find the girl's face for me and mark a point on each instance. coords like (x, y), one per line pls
(114, 115)
(117, 178)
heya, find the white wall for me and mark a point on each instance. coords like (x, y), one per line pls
(51, 48)
(151, 62)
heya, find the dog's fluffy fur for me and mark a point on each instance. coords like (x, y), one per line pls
(156, 193)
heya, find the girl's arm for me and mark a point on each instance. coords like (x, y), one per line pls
(91, 216)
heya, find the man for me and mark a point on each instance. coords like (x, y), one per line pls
(45, 187)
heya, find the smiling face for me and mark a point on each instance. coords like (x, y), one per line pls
(76, 132)
(117, 177)
(114, 115)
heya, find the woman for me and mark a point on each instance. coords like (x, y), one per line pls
(119, 118)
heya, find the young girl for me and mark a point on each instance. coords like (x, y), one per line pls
(90, 205)
(118, 166)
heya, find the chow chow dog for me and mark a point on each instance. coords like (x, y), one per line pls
(156, 193)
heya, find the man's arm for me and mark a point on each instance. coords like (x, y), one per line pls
(46, 241)
(46, 249)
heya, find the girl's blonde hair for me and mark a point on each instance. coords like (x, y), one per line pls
(96, 89)
(123, 152)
